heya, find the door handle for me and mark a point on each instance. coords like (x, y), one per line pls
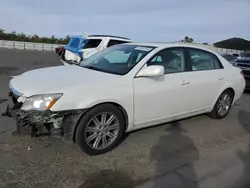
(185, 82)
(220, 78)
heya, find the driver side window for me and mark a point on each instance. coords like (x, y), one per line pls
(172, 59)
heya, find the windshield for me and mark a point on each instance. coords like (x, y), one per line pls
(117, 59)
(76, 43)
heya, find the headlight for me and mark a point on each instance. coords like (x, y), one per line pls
(41, 102)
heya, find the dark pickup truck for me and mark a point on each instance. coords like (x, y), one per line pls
(244, 64)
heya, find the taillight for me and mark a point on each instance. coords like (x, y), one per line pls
(242, 74)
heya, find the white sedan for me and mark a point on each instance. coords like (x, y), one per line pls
(123, 88)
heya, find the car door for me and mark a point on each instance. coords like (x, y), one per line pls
(91, 47)
(159, 99)
(206, 76)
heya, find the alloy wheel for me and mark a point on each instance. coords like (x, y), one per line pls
(224, 104)
(102, 130)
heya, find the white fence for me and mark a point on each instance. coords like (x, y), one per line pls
(27, 45)
(51, 47)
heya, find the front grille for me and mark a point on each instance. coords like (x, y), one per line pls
(14, 98)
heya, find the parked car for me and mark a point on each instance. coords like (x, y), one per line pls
(236, 55)
(81, 47)
(229, 57)
(245, 55)
(123, 88)
(244, 64)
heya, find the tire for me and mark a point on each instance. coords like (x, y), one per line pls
(216, 112)
(87, 123)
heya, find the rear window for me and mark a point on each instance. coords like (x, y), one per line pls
(115, 42)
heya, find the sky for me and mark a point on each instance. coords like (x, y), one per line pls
(141, 20)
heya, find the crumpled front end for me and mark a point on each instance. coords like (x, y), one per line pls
(72, 57)
(74, 49)
(41, 123)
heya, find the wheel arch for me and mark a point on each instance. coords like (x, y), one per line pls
(229, 88)
(119, 106)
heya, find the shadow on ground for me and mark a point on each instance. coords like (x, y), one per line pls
(244, 181)
(7, 70)
(108, 179)
(247, 91)
(174, 145)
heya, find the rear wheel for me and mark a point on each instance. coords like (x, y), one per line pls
(223, 105)
(100, 130)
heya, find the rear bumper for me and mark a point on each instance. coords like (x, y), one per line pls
(43, 123)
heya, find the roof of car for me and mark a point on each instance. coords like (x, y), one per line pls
(168, 44)
(110, 36)
(171, 44)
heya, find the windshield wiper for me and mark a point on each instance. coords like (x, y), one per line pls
(101, 70)
(93, 68)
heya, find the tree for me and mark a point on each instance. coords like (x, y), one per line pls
(187, 39)
(1, 33)
(191, 40)
(21, 37)
(32, 38)
(67, 38)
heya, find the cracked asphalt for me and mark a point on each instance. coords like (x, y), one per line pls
(143, 155)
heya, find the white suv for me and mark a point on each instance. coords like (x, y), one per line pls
(80, 47)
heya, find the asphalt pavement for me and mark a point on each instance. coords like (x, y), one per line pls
(187, 151)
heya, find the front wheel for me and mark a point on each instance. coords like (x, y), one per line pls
(100, 130)
(222, 106)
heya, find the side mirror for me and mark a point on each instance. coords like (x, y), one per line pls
(151, 71)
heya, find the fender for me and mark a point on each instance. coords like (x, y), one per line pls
(225, 87)
(127, 108)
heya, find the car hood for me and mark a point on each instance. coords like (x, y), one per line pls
(58, 79)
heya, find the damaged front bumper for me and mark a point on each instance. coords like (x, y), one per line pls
(42, 123)
(71, 58)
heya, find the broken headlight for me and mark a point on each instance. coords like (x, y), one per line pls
(40, 102)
